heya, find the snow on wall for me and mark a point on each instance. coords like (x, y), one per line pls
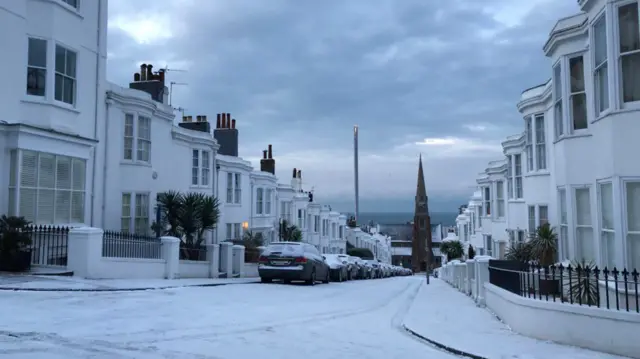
(605, 330)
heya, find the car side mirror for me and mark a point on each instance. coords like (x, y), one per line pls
(323, 257)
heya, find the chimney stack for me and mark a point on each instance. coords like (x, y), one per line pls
(294, 173)
(143, 72)
(267, 163)
(150, 83)
(227, 135)
(201, 124)
(150, 72)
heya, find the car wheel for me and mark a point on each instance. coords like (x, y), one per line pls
(327, 278)
(265, 280)
(339, 276)
(312, 280)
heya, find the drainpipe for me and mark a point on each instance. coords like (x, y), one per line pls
(251, 205)
(215, 193)
(95, 120)
(104, 165)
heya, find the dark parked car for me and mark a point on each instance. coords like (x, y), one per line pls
(352, 268)
(376, 271)
(338, 267)
(291, 261)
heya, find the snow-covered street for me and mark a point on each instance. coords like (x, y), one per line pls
(358, 319)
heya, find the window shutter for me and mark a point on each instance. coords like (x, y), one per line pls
(63, 190)
(46, 185)
(28, 181)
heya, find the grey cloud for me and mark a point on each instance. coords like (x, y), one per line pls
(299, 74)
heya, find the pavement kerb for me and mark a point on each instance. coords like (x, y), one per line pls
(440, 345)
(135, 289)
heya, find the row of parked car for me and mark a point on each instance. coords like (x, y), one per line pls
(296, 261)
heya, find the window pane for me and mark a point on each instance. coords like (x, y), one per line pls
(576, 68)
(63, 206)
(37, 53)
(631, 77)
(606, 203)
(602, 88)
(79, 172)
(633, 248)
(628, 27)
(59, 87)
(562, 194)
(584, 240)
(60, 59)
(608, 245)
(70, 68)
(63, 173)
(583, 207)
(46, 199)
(600, 40)
(68, 90)
(633, 206)
(557, 82)
(36, 81)
(27, 207)
(579, 111)
(47, 171)
(77, 207)
(543, 215)
(557, 118)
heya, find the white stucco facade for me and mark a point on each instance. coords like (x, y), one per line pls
(53, 101)
(574, 164)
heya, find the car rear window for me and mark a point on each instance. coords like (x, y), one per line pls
(283, 248)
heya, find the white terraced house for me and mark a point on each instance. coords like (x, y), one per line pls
(78, 151)
(575, 163)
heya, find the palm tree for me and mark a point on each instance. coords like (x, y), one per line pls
(544, 244)
(296, 235)
(452, 249)
(188, 217)
(289, 233)
(520, 252)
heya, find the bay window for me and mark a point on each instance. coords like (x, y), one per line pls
(529, 143)
(577, 95)
(46, 188)
(583, 225)
(607, 231)
(541, 148)
(632, 194)
(500, 198)
(518, 175)
(557, 100)
(629, 39)
(600, 68)
(563, 249)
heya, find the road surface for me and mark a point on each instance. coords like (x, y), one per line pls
(358, 319)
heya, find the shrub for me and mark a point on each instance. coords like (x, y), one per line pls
(363, 253)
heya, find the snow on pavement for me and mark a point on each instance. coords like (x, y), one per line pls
(445, 315)
(358, 319)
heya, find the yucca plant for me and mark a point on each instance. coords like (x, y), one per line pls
(296, 235)
(543, 244)
(452, 249)
(582, 285)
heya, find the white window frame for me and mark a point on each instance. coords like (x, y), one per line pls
(268, 194)
(486, 198)
(233, 231)
(558, 106)
(518, 190)
(137, 220)
(531, 220)
(234, 188)
(578, 93)
(578, 239)
(543, 220)
(607, 230)
(529, 142)
(200, 168)
(509, 177)
(77, 193)
(126, 203)
(229, 198)
(259, 201)
(62, 76)
(563, 219)
(488, 243)
(620, 56)
(540, 139)
(136, 145)
(500, 201)
(630, 263)
(37, 69)
(195, 167)
(600, 69)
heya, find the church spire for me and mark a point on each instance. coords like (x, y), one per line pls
(421, 246)
(421, 191)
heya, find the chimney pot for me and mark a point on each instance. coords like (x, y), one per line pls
(299, 174)
(218, 121)
(204, 118)
(224, 121)
(228, 116)
(149, 72)
(161, 75)
(198, 118)
(264, 154)
(233, 123)
(270, 152)
(189, 118)
(295, 172)
(143, 72)
(136, 77)
(184, 118)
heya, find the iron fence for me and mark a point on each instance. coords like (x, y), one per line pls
(117, 244)
(580, 284)
(49, 245)
(193, 252)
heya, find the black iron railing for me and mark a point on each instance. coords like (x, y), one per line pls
(49, 245)
(129, 245)
(582, 285)
(193, 252)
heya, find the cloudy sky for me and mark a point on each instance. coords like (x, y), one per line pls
(436, 77)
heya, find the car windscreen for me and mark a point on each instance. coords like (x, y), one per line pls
(283, 248)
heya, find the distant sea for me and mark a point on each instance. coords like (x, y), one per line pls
(444, 218)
